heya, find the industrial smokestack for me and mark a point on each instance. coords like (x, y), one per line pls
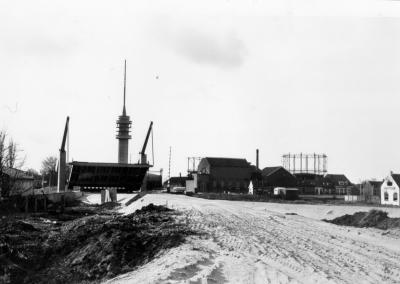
(257, 162)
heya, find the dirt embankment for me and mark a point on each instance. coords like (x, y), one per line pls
(374, 218)
(84, 245)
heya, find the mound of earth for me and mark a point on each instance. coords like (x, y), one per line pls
(87, 249)
(373, 218)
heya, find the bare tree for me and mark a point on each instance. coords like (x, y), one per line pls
(32, 172)
(49, 169)
(12, 153)
(3, 162)
(14, 158)
(10, 163)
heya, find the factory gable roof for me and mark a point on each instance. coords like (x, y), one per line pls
(336, 178)
(270, 170)
(227, 162)
(278, 176)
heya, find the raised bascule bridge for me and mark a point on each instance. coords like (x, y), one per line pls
(123, 176)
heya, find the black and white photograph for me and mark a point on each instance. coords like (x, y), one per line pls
(199, 142)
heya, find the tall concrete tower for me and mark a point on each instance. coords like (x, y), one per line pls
(123, 129)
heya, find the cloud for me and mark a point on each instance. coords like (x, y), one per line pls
(226, 50)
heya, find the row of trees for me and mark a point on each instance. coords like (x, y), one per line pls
(11, 158)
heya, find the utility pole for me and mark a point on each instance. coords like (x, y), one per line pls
(169, 170)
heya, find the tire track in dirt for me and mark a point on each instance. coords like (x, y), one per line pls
(291, 249)
(250, 244)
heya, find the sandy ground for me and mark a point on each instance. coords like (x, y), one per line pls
(259, 243)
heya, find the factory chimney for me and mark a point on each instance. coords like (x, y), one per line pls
(123, 130)
(257, 162)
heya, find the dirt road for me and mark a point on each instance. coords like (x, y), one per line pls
(259, 243)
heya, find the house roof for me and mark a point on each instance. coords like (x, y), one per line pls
(17, 174)
(396, 178)
(269, 170)
(335, 178)
(227, 162)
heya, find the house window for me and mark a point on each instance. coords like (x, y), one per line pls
(395, 197)
(386, 196)
(389, 183)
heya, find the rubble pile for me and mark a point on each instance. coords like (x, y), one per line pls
(373, 218)
(88, 248)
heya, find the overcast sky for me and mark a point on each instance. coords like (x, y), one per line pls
(218, 78)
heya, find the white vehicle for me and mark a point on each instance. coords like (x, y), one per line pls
(178, 189)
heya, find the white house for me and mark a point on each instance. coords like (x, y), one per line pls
(390, 190)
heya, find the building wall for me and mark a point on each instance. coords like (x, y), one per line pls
(337, 187)
(311, 184)
(21, 185)
(370, 192)
(203, 167)
(203, 182)
(280, 178)
(225, 179)
(231, 173)
(222, 179)
(367, 189)
(389, 192)
(343, 190)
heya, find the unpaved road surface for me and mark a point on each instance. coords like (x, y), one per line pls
(260, 243)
